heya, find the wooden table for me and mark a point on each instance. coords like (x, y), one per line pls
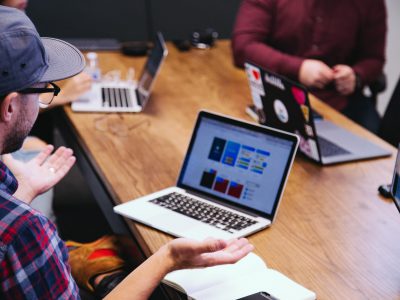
(334, 234)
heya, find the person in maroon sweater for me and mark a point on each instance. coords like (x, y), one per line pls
(333, 47)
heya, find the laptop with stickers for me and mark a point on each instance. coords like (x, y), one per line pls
(284, 104)
(125, 96)
(230, 185)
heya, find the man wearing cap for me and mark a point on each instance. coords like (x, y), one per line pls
(33, 259)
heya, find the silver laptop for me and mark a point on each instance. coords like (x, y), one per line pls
(284, 104)
(230, 184)
(125, 96)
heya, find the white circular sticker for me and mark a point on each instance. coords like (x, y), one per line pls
(281, 111)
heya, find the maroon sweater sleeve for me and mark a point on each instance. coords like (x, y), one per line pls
(370, 57)
(250, 39)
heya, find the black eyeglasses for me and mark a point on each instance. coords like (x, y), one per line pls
(55, 89)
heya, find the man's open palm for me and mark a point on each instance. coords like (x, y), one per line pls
(194, 254)
(40, 173)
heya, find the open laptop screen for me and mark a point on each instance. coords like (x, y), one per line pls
(151, 68)
(239, 163)
(396, 182)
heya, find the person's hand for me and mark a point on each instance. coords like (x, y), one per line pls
(345, 79)
(72, 89)
(178, 254)
(40, 173)
(315, 74)
(186, 253)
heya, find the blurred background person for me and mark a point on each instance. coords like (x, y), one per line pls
(334, 48)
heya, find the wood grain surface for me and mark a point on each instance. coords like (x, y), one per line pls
(334, 234)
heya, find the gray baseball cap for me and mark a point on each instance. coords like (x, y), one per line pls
(26, 58)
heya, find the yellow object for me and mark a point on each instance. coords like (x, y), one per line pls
(84, 268)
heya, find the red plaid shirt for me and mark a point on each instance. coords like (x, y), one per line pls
(33, 259)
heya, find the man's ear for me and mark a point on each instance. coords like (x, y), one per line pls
(8, 107)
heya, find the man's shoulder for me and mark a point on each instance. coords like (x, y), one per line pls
(30, 245)
(17, 217)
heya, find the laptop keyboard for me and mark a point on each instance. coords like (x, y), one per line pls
(116, 97)
(330, 149)
(204, 212)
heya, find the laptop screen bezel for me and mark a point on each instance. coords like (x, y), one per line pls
(242, 124)
(142, 94)
(307, 102)
(395, 180)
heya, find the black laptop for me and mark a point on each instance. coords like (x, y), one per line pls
(284, 104)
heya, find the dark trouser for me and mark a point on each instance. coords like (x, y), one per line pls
(363, 111)
(108, 283)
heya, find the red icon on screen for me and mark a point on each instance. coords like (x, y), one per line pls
(235, 189)
(221, 184)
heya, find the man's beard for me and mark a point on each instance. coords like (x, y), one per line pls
(16, 137)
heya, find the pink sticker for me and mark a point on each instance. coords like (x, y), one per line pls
(299, 95)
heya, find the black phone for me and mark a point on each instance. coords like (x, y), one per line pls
(385, 190)
(259, 296)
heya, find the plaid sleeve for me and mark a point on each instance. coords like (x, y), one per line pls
(35, 264)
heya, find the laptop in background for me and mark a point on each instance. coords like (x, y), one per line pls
(125, 96)
(395, 189)
(230, 184)
(284, 104)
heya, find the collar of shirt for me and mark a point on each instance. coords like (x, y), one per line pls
(8, 183)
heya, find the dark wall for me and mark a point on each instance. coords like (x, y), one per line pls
(126, 19)
(178, 18)
(121, 19)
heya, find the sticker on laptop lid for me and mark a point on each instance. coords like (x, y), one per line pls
(299, 95)
(281, 111)
(257, 101)
(254, 76)
(306, 112)
(274, 81)
(309, 147)
(309, 130)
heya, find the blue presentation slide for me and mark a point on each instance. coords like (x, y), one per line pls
(237, 164)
